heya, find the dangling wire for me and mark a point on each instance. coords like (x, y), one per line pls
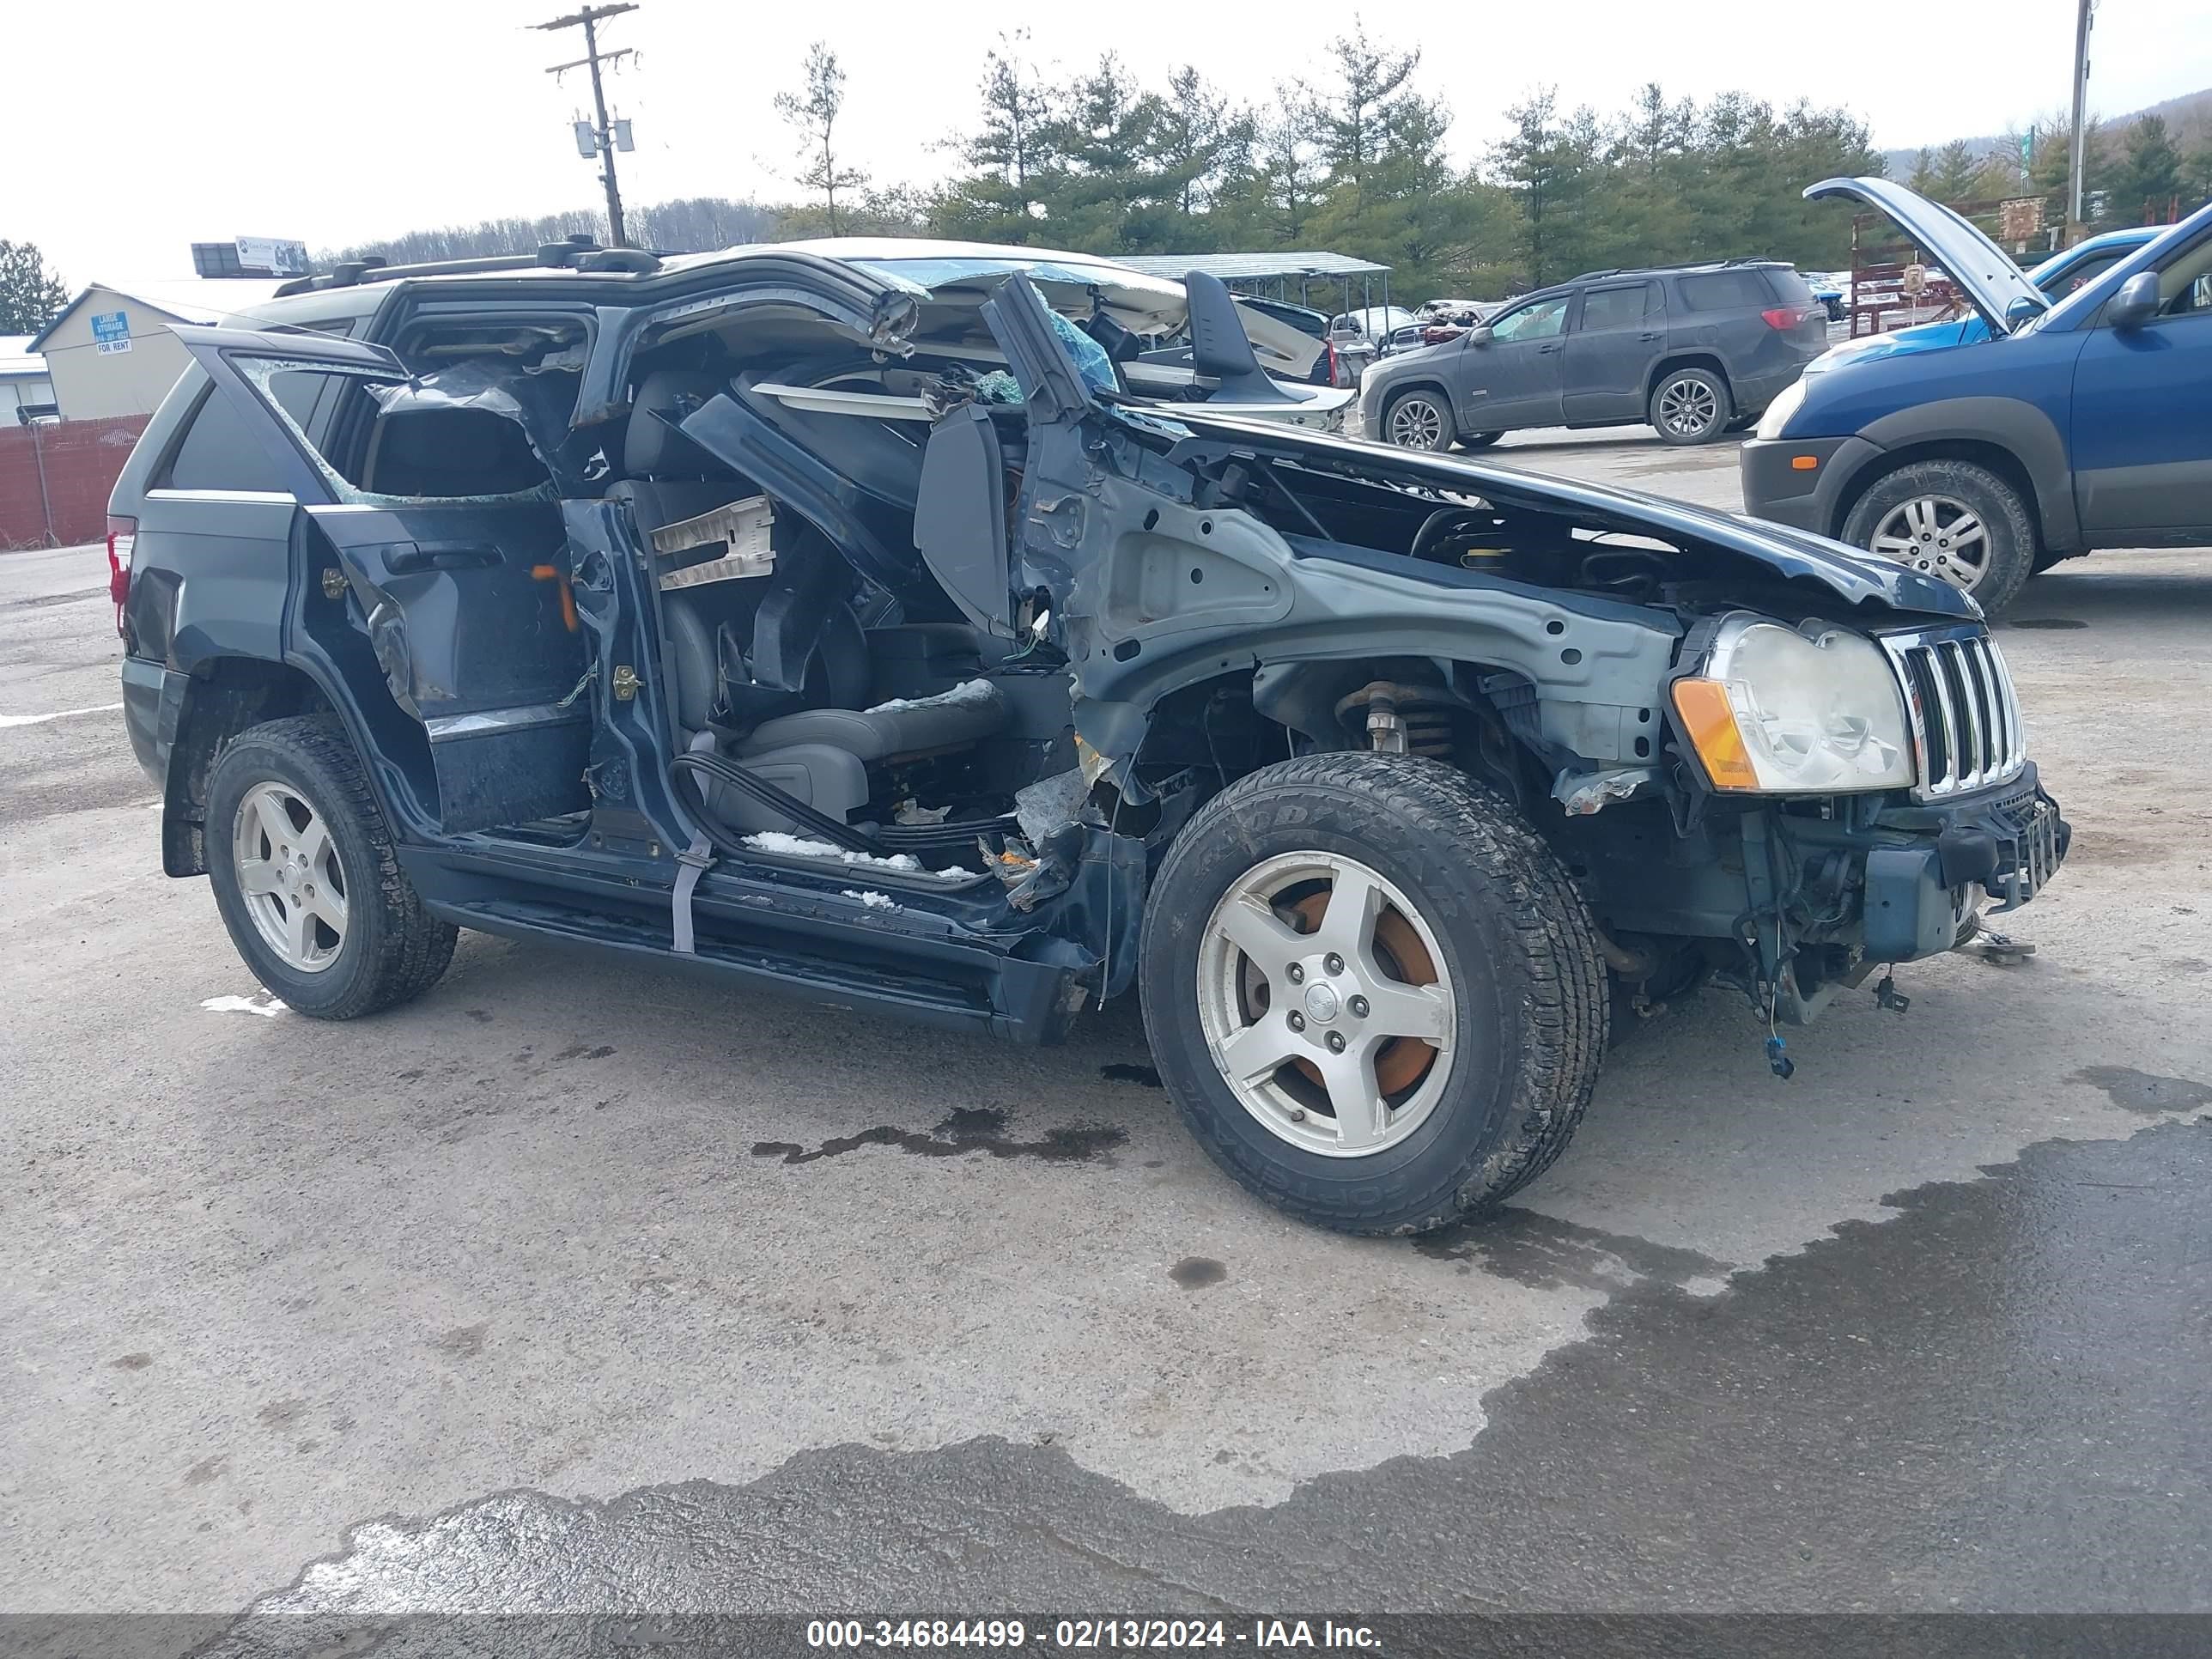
(1777, 1057)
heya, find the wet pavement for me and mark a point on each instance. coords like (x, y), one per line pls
(593, 1287)
(1992, 1402)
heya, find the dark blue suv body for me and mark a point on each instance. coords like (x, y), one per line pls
(2078, 424)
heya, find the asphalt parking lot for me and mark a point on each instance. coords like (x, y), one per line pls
(579, 1284)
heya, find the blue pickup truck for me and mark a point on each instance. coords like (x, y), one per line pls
(2065, 424)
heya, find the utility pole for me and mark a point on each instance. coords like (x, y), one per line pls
(603, 133)
(2076, 162)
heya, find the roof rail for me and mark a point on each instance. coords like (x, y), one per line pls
(579, 251)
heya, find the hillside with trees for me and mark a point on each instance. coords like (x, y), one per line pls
(2145, 166)
(1355, 159)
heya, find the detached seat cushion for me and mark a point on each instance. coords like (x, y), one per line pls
(968, 713)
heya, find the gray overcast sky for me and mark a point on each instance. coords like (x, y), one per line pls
(154, 123)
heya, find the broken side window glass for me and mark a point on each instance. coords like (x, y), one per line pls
(454, 435)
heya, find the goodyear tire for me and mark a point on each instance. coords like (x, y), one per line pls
(1345, 922)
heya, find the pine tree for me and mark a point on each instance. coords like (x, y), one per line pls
(1548, 164)
(812, 112)
(1290, 170)
(1103, 191)
(1355, 114)
(1953, 179)
(31, 296)
(998, 200)
(1194, 139)
(2146, 183)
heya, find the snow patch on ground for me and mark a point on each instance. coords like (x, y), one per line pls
(873, 900)
(259, 1003)
(967, 693)
(97, 709)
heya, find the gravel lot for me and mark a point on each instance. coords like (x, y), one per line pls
(529, 1276)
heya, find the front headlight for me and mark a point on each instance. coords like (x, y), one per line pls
(1775, 711)
(1779, 411)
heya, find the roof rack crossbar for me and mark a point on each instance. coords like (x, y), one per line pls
(355, 271)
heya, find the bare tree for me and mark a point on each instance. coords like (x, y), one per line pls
(812, 112)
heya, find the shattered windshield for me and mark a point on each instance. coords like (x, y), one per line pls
(1091, 362)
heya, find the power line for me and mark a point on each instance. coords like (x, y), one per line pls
(602, 134)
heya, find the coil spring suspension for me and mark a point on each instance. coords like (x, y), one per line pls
(1401, 720)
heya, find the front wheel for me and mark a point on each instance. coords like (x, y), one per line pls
(1417, 420)
(1691, 405)
(305, 879)
(1372, 991)
(1953, 520)
(1479, 439)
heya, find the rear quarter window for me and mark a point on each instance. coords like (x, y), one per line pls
(1729, 290)
(218, 451)
(1788, 287)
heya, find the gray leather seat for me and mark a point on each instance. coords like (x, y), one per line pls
(967, 714)
(819, 755)
(667, 478)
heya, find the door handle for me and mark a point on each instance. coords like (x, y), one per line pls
(1543, 349)
(408, 557)
(1650, 334)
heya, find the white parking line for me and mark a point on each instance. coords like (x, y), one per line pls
(58, 715)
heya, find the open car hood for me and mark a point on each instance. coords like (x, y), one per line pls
(1984, 271)
(1858, 577)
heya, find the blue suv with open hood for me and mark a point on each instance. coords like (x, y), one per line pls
(2076, 423)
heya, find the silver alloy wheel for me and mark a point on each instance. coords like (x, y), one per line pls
(1937, 535)
(1416, 422)
(1688, 407)
(1325, 1001)
(289, 876)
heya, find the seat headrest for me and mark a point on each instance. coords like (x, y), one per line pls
(653, 449)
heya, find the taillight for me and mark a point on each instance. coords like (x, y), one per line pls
(1335, 370)
(122, 537)
(1785, 316)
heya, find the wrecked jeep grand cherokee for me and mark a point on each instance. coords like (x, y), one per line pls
(842, 624)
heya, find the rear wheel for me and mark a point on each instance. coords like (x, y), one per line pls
(1372, 991)
(1953, 520)
(1691, 405)
(305, 879)
(1417, 420)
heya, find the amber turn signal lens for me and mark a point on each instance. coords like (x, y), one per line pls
(1709, 720)
(1804, 463)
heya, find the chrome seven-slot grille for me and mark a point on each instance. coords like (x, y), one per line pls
(1965, 720)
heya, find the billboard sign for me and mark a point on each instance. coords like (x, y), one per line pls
(110, 332)
(275, 255)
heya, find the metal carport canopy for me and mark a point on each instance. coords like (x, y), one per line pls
(1304, 268)
(1251, 267)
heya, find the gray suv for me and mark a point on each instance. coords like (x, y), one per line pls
(1697, 352)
